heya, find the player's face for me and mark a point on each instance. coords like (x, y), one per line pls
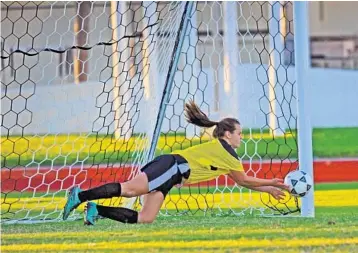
(236, 136)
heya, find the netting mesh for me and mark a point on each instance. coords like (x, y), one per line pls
(264, 86)
(82, 86)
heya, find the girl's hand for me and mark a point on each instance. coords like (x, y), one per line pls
(277, 193)
(277, 182)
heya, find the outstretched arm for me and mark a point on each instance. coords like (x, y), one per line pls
(242, 179)
(274, 191)
(271, 186)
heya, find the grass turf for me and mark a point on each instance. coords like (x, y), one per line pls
(334, 229)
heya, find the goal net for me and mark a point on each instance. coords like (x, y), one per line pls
(91, 91)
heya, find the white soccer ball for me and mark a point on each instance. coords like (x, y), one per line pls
(299, 182)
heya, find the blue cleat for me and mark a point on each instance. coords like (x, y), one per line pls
(72, 202)
(91, 213)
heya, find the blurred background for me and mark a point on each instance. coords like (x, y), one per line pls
(32, 27)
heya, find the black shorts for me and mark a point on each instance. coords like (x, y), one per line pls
(165, 171)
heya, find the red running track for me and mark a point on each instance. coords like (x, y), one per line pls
(44, 179)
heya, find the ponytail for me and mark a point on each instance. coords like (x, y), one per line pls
(197, 117)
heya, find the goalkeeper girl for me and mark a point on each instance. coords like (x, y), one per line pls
(195, 164)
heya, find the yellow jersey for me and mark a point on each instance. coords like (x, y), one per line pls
(209, 160)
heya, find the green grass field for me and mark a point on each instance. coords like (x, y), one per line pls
(67, 150)
(334, 229)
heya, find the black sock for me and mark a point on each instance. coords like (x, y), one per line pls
(102, 192)
(121, 214)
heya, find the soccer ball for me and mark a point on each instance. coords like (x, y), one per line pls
(299, 182)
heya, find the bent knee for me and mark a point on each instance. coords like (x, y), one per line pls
(144, 218)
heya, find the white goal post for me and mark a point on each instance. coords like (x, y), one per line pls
(303, 63)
